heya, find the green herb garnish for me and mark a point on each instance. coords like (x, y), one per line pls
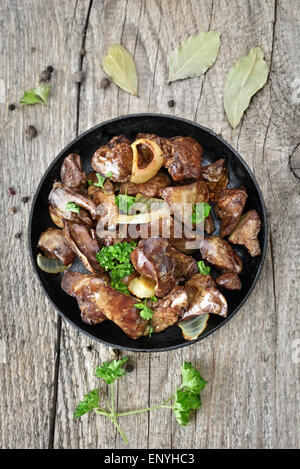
(90, 402)
(153, 298)
(203, 269)
(101, 180)
(109, 174)
(124, 202)
(145, 311)
(116, 259)
(184, 399)
(120, 286)
(200, 211)
(72, 207)
(150, 331)
(110, 371)
(89, 181)
(35, 95)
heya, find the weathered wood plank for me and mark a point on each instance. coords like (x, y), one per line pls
(28, 324)
(242, 405)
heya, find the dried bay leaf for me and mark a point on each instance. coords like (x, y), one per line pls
(244, 79)
(118, 64)
(196, 55)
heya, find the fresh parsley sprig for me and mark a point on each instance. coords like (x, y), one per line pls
(100, 180)
(145, 311)
(110, 371)
(183, 401)
(116, 259)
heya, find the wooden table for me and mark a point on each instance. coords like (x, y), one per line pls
(252, 365)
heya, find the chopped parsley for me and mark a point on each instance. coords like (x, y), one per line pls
(200, 211)
(101, 180)
(203, 269)
(72, 207)
(124, 202)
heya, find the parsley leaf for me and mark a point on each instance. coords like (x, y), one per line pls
(101, 180)
(109, 174)
(35, 95)
(90, 402)
(203, 269)
(116, 258)
(184, 402)
(120, 286)
(110, 371)
(191, 378)
(145, 311)
(89, 181)
(200, 211)
(124, 202)
(71, 207)
(187, 397)
(150, 331)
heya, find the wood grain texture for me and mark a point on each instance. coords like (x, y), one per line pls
(252, 397)
(28, 324)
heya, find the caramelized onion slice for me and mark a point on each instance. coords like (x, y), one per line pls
(146, 217)
(139, 176)
(51, 266)
(192, 328)
(142, 287)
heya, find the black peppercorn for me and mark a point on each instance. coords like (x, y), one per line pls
(30, 132)
(128, 368)
(171, 103)
(11, 191)
(89, 348)
(45, 75)
(12, 107)
(79, 76)
(25, 200)
(18, 235)
(33, 49)
(105, 83)
(82, 52)
(50, 69)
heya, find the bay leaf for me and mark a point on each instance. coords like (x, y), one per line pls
(118, 64)
(196, 55)
(244, 80)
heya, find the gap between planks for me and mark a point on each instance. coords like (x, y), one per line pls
(59, 321)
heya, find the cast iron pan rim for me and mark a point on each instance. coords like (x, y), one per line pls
(264, 248)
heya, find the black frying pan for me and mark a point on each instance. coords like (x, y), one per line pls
(167, 126)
